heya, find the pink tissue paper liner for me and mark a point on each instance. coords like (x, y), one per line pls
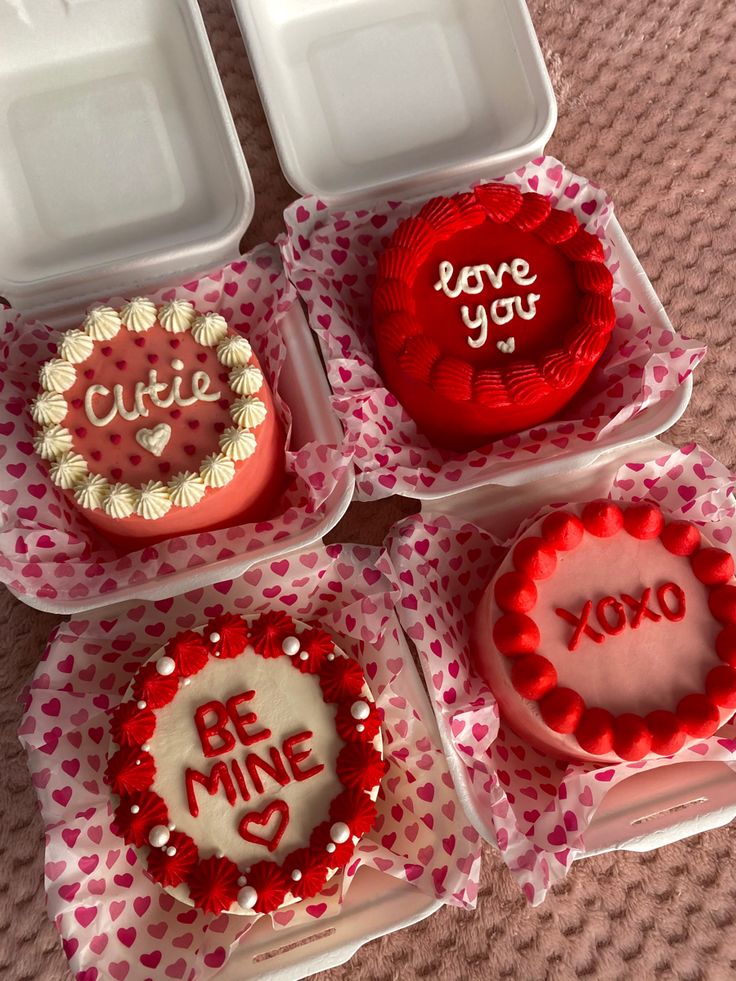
(331, 258)
(48, 551)
(539, 807)
(113, 920)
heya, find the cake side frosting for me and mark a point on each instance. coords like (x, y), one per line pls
(247, 757)
(606, 634)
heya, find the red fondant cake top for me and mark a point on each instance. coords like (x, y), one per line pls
(493, 296)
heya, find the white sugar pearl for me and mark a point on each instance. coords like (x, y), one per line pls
(140, 705)
(242, 880)
(360, 727)
(134, 809)
(247, 897)
(215, 637)
(159, 836)
(330, 848)
(219, 854)
(330, 657)
(304, 656)
(340, 833)
(296, 876)
(290, 646)
(137, 762)
(187, 682)
(165, 665)
(145, 747)
(172, 827)
(177, 364)
(171, 851)
(360, 710)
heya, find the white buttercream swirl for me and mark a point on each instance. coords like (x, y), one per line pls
(57, 375)
(76, 346)
(102, 323)
(48, 408)
(53, 442)
(154, 500)
(234, 350)
(209, 329)
(139, 314)
(217, 470)
(68, 470)
(176, 316)
(248, 412)
(238, 444)
(91, 491)
(246, 379)
(186, 489)
(120, 501)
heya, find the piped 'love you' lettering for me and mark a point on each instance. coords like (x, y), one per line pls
(263, 819)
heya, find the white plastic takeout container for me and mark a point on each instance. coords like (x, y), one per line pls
(121, 170)
(370, 98)
(650, 808)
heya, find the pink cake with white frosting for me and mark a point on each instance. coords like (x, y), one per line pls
(609, 634)
(157, 421)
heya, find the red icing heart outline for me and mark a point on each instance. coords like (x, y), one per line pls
(262, 818)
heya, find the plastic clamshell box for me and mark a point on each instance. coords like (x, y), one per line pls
(121, 169)
(364, 97)
(649, 809)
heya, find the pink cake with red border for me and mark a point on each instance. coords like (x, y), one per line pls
(157, 421)
(609, 634)
(247, 757)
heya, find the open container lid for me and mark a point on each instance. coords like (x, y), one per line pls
(370, 97)
(120, 166)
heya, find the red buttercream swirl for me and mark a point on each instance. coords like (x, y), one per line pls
(583, 247)
(271, 885)
(356, 809)
(341, 678)
(321, 838)
(172, 870)
(134, 828)
(360, 766)
(131, 726)
(317, 644)
(398, 263)
(453, 378)
(189, 652)
(501, 202)
(535, 210)
(559, 227)
(268, 634)
(213, 884)
(314, 870)
(233, 633)
(155, 689)
(130, 770)
(347, 726)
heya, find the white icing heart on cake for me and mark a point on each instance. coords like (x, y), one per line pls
(508, 346)
(154, 440)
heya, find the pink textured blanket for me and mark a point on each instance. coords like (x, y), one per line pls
(646, 91)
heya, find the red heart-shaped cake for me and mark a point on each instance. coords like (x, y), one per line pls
(490, 311)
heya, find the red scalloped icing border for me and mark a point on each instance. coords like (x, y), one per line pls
(214, 882)
(661, 732)
(400, 332)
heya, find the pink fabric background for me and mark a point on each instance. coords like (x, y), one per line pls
(645, 92)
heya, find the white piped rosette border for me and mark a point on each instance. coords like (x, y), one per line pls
(153, 499)
(331, 258)
(47, 550)
(96, 887)
(536, 809)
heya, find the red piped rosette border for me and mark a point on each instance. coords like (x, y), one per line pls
(331, 257)
(214, 883)
(516, 635)
(534, 808)
(404, 338)
(48, 552)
